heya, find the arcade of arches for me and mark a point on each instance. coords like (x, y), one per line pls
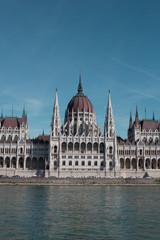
(82, 147)
(34, 163)
(140, 163)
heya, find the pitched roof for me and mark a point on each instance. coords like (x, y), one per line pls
(10, 122)
(43, 137)
(149, 124)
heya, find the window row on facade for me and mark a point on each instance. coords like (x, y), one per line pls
(80, 163)
(21, 150)
(140, 152)
(9, 138)
(82, 147)
(82, 157)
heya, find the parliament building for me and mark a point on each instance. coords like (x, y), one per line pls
(77, 147)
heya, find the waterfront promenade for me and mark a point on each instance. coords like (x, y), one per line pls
(78, 181)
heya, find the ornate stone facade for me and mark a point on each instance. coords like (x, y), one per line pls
(78, 148)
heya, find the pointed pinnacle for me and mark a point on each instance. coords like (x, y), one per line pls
(109, 99)
(80, 89)
(56, 99)
(153, 116)
(130, 116)
(136, 111)
(23, 109)
(2, 113)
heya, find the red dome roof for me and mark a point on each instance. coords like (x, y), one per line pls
(80, 102)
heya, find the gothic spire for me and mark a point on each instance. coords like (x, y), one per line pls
(130, 121)
(136, 117)
(109, 127)
(24, 115)
(153, 116)
(80, 89)
(2, 113)
(55, 124)
(23, 110)
(109, 99)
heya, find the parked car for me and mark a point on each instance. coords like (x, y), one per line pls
(16, 176)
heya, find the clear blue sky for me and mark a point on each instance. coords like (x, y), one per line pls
(45, 44)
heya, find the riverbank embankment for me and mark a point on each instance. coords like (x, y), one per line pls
(78, 181)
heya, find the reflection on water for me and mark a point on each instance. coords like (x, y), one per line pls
(79, 212)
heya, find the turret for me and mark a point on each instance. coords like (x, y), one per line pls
(111, 161)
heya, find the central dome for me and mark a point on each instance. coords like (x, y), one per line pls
(80, 102)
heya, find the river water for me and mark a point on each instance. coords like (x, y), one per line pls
(79, 212)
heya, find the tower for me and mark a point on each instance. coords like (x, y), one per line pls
(24, 131)
(137, 127)
(55, 138)
(55, 123)
(111, 162)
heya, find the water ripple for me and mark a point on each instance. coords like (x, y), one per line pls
(79, 212)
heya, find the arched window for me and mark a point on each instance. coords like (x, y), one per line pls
(102, 163)
(83, 147)
(83, 163)
(101, 147)
(156, 140)
(16, 137)
(64, 163)
(76, 163)
(21, 150)
(95, 147)
(55, 149)
(144, 139)
(121, 163)
(76, 146)
(21, 162)
(3, 138)
(140, 163)
(128, 163)
(70, 163)
(1, 162)
(70, 146)
(64, 146)
(89, 163)
(153, 163)
(147, 163)
(95, 163)
(110, 164)
(55, 163)
(89, 147)
(134, 163)
(9, 138)
(7, 162)
(110, 150)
